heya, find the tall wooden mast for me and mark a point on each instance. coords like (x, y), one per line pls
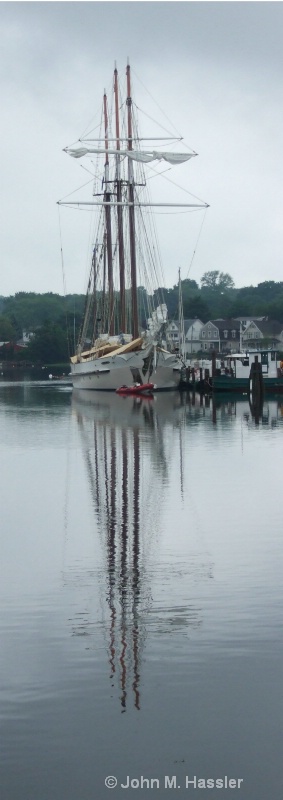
(104, 283)
(107, 200)
(95, 320)
(120, 211)
(135, 325)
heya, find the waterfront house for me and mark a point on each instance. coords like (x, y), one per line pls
(263, 333)
(172, 333)
(192, 328)
(221, 335)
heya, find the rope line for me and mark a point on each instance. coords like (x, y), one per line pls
(158, 106)
(197, 241)
(64, 282)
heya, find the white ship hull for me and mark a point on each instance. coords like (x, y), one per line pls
(110, 372)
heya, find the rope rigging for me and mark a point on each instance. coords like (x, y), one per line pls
(64, 282)
(100, 311)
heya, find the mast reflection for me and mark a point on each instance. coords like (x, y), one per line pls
(128, 469)
(128, 445)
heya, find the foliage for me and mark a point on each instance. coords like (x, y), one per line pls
(266, 299)
(49, 344)
(30, 310)
(54, 318)
(7, 330)
(196, 307)
(217, 281)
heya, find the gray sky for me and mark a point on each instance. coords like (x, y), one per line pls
(216, 71)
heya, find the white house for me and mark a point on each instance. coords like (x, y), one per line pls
(271, 331)
(172, 333)
(193, 336)
(192, 328)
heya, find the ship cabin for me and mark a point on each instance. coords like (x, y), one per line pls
(239, 364)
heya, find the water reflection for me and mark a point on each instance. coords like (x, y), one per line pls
(267, 412)
(141, 591)
(127, 448)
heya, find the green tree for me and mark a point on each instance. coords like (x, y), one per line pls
(217, 281)
(49, 345)
(7, 330)
(225, 282)
(209, 279)
(196, 307)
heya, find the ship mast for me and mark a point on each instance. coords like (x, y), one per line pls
(135, 326)
(107, 200)
(94, 269)
(120, 211)
(104, 282)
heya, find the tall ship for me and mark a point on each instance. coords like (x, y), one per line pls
(123, 339)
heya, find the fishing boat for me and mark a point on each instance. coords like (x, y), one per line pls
(235, 376)
(123, 336)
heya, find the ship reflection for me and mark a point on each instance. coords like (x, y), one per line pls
(128, 470)
(123, 551)
(128, 445)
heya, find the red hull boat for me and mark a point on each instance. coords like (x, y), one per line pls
(138, 388)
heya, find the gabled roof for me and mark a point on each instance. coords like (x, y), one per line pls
(271, 328)
(227, 324)
(252, 319)
(213, 322)
(224, 324)
(189, 322)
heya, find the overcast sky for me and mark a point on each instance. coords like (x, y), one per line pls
(216, 71)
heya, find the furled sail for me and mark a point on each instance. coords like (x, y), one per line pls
(171, 158)
(157, 320)
(135, 155)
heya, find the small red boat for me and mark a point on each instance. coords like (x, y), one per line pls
(137, 388)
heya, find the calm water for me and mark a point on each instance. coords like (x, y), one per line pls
(141, 594)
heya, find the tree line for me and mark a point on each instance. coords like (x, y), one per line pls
(56, 320)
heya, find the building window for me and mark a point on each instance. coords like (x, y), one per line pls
(203, 333)
(225, 334)
(209, 332)
(233, 334)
